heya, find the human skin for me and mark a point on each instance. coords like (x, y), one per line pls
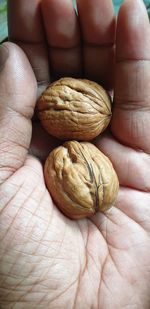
(47, 260)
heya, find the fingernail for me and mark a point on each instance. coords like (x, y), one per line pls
(4, 54)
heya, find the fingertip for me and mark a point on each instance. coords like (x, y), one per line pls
(134, 6)
(97, 20)
(24, 21)
(60, 23)
(4, 54)
(16, 78)
(133, 31)
(19, 66)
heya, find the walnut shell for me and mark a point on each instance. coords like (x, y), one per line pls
(74, 109)
(81, 179)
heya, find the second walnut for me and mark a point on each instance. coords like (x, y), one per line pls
(74, 109)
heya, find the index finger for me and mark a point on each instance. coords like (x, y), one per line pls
(26, 29)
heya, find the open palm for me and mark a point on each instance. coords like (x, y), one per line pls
(48, 261)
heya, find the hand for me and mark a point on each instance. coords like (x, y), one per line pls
(48, 261)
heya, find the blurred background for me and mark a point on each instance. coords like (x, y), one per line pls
(3, 15)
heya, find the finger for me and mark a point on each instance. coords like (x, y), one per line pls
(26, 29)
(63, 37)
(98, 29)
(131, 116)
(18, 90)
(130, 165)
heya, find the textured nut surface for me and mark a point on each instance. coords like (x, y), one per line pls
(74, 109)
(81, 179)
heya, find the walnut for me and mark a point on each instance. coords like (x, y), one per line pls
(81, 179)
(74, 109)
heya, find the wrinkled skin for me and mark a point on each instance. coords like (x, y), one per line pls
(46, 260)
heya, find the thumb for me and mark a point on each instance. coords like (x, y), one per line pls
(18, 90)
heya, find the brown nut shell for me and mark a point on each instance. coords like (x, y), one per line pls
(81, 179)
(74, 109)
